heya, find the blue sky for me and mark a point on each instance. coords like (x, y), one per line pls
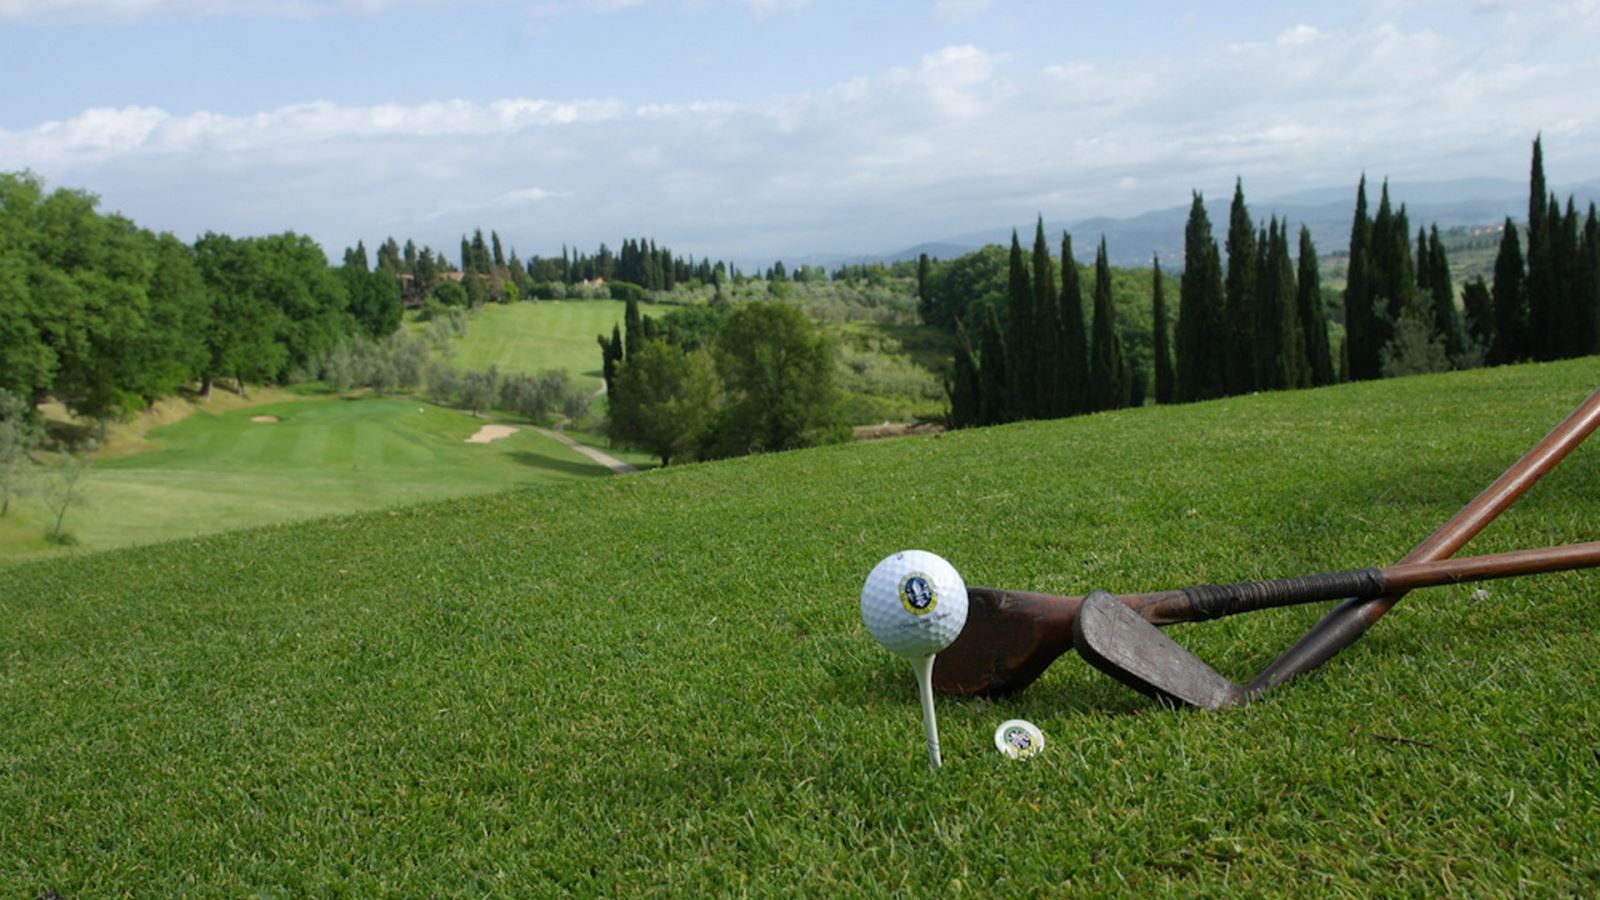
(749, 128)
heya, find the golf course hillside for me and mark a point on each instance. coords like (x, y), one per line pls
(660, 684)
(282, 462)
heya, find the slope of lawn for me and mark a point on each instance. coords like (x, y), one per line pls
(214, 472)
(660, 684)
(537, 335)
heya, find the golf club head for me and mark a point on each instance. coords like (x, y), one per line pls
(1009, 639)
(1119, 642)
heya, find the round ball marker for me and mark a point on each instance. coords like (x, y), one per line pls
(1018, 739)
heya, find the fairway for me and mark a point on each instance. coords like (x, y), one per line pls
(217, 472)
(661, 684)
(537, 335)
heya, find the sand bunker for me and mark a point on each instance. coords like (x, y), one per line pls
(265, 420)
(491, 433)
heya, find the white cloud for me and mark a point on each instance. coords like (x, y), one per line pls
(954, 12)
(960, 139)
(123, 11)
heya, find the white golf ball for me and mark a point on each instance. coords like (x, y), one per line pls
(914, 603)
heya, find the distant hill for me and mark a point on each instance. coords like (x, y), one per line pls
(1326, 211)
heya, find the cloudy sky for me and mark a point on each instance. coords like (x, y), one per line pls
(747, 128)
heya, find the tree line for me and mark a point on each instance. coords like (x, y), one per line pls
(1261, 320)
(108, 317)
(720, 380)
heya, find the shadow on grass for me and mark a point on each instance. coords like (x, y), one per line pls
(563, 466)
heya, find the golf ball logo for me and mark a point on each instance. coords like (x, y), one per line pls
(917, 594)
(1018, 739)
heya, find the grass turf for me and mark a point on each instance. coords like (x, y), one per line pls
(660, 683)
(214, 472)
(534, 336)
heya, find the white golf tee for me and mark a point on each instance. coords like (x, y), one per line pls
(923, 667)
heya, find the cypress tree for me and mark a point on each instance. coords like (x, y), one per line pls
(1479, 313)
(1108, 375)
(1588, 287)
(1313, 322)
(1541, 286)
(1293, 362)
(1244, 343)
(994, 382)
(1536, 198)
(1572, 332)
(1267, 372)
(499, 254)
(633, 329)
(1050, 392)
(1165, 378)
(1510, 300)
(1022, 338)
(1446, 323)
(924, 299)
(1074, 340)
(1361, 329)
(965, 390)
(1202, 313)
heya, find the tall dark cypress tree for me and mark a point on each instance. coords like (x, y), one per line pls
(1293, 362)
(1362, 337)
(1074, 341)
(1166, 379)
(1479, 308)
(1446, 322)
(1021, 338)
(1268, 372)
(1109, 385)
(1587, 290)
(1511, 344)
(994, 382)
(1572, 332)
(1202, 345)
(1313, 321)
(965, 390)
(924, 295)
(1050, 392)
(1542, 284)
(632, 328)
(1243, 342)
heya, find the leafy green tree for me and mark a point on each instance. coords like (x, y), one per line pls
(964, 287)
(1165, 378)
(632, 328)
(1510, 297)
(1415, 347)
(994, 395)
(670, 398)
(777, 371)
(1243, 341)
(1074, 340)
(1108, 375)
(65, 490)
(18, 437)
(1313, 321)
(1202, 313)
(242, 341)
(478, 389)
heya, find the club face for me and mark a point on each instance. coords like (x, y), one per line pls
(1009, 639)
(1118, 641)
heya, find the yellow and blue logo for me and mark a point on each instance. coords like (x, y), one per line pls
(917, 594)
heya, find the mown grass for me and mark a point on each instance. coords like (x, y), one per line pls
(659, 684)
(213, 472)
(538, 335)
